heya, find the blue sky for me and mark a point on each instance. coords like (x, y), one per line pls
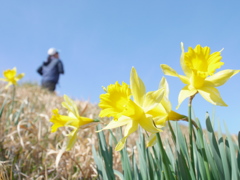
(99, 42)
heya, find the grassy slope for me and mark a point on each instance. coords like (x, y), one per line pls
(27, 146)
(29, 149)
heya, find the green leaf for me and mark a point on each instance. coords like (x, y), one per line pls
(118, 174)
(202, 151)
(3, 105)
(199, 163)
(232, 148)
(100, 165)
(211, 162)
(221, 142)
(215, 150)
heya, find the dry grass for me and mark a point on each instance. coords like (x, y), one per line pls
(27, 147)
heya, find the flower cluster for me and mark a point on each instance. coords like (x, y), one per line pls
(132, 106)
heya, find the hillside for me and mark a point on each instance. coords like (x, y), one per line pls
(29, 150)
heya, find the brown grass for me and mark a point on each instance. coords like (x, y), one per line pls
(29, 150)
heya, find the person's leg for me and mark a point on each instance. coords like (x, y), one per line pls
(49, 85)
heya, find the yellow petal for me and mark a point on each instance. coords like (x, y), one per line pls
(147, 124)
(114, 124)
(151, 140)
(20, 76)
(161, 120)
(212, 95)
(157, 111)
(185, 93)
(152, 99)
(84, 121)
(70, 114)
(131, 127)
(55, 127)
(8, 85)
(14, 70)
(164, 84)
(2, 79)
(185, 68)
(120, 144)
(220, 78)
(105, 89)
(174, 116)
(167, 70)
(72, 138)
(137, 87)
(70, 105)
(166, 104)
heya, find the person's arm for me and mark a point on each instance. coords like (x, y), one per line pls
(39, 70)
(60, 67)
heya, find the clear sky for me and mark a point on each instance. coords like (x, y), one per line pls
(99, 42)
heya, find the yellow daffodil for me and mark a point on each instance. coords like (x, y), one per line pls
(10, 76)
(117, 103)
(163, 111)
(199, 67)
(72, 120)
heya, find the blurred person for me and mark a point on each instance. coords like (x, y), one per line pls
(51, 69)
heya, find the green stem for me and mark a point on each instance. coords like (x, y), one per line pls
(191, 130)
(164, 157)
(13, 98)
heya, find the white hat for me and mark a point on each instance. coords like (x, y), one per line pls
(52, 51)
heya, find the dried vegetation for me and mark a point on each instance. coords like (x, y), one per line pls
(28, 150)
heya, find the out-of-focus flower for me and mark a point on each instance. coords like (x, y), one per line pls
(10, 76)
(72, 120)
(199, 67)
(117, 103)
(163, 111)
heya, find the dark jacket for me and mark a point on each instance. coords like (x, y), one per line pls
(51, 70)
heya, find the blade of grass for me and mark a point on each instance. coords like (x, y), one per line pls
(222, 150)
(234, 167)
(215, 149)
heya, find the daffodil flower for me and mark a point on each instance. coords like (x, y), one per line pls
(199, 67)
(117, 103)
(163, 111)
(72, 120)
(10, 76)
